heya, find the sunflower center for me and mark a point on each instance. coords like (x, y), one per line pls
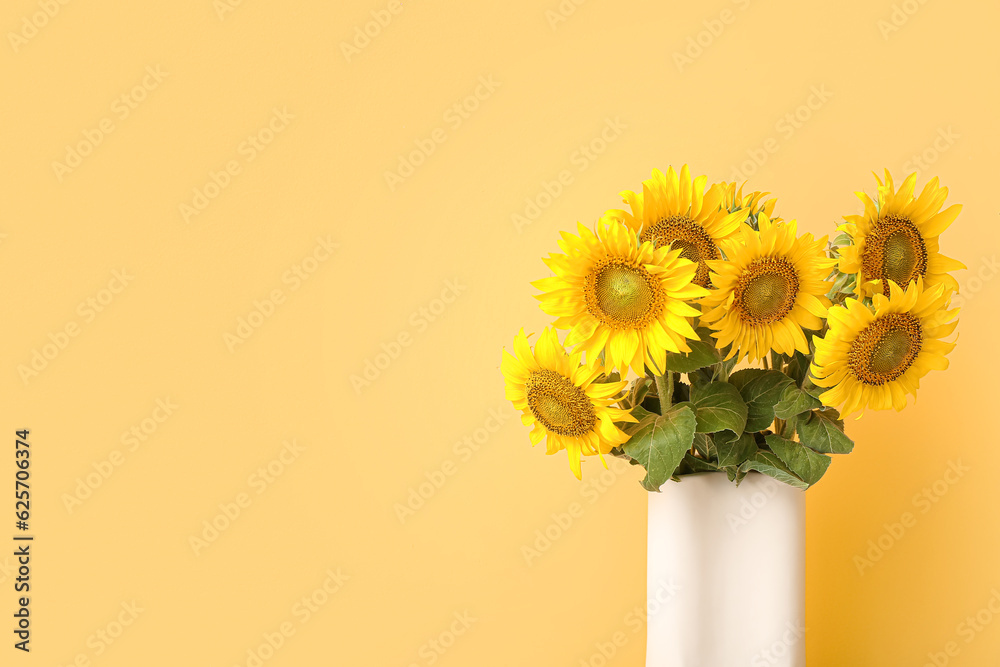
(885, 348)
(766, 291)
(560, 406)
(623, 295)
(894, 250)
(679, 231)
(900, 257)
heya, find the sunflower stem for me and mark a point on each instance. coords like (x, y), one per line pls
(776, 362)
(665, 390)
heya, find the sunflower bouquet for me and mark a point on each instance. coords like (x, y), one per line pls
(704, 334)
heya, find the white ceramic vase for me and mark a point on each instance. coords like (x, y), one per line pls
(726, 573)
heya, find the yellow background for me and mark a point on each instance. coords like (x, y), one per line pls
(890, 94)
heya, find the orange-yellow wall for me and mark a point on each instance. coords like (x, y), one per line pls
(609, 67)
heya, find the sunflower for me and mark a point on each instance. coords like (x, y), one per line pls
(771, 287)
(621, 297)
(558, 395)
(896, 238)
(733, 200)
(873, 359)
(677, 212)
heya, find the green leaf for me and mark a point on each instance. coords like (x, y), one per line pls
(797, 367)
(644, 416)
(684, 403)
(637, 392)
(728, 365)
(619, 453)
(682, 391)
(702, 376)
(794, 401)
(812, 388)
(703, 353)
(698, 464)
(703, 445)
(735, 474)
(843, 239)
(651, 403)
(718, 407)
(769, 464)
(732, 450)
(660, 445)
(760, 390)
(823, 431)
(803, 461)
(840, 284)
